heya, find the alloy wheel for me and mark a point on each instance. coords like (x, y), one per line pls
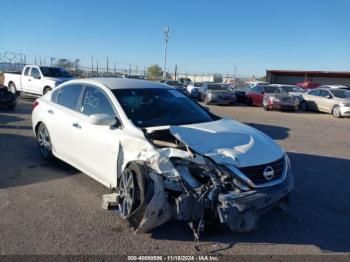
(127, 193)
(44, 141)
(336, 111)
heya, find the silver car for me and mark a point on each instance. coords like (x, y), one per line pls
(334, 101)
(212, 93)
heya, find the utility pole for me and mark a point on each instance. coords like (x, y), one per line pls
(166, 38)
(235, 73)
(175, 73)
(92, 66)
(76, 67)
(97, 68)
(107, 64)
(51, 61)
(115, 70)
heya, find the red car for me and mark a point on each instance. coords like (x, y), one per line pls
(255, 95)
(308, 85)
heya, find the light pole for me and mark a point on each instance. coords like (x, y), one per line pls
(166, 38)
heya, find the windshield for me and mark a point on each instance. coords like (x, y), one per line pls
(54, 72)
(216, 87)
(341, 93)
(292, 89)
(147, 107)
(272, 89)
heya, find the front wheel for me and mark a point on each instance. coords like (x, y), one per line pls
(44, 140)
(336, 112)
(303, 106)
(135, 192)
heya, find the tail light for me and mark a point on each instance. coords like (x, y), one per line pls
(35, 104)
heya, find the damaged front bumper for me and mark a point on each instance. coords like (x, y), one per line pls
(240, 212)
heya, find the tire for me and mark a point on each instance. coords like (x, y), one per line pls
(249, 101)
(207, 101)
(303, 106)
(336, 112)
(266, 107)
(47, 89)
(12, 88)
(134, 200)
(44, 141)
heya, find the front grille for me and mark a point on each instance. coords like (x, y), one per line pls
(255, 173)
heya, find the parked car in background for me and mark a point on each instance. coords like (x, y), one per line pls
(308, 85)
(164, 155)
(186, 81)
(194, 90)
(335, 87)
(240, 91)
(293, 90)
(334, 101)
(140, 77)
(276, 98)
(177, 84)
(213, 93)
(37, 80)
(8, 100)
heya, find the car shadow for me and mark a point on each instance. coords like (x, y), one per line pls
(275, 132)
(21, 163)
(318, 215)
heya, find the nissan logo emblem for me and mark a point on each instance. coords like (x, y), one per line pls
(268, 173)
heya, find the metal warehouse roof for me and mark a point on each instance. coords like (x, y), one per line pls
(310, 73)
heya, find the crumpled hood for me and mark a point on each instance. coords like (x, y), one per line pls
(229, 142)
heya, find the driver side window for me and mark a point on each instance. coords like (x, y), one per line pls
(35, 72)
(95, 101)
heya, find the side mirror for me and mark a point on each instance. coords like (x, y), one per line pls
(103, 120)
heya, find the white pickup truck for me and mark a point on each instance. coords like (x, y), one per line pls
(36, 80)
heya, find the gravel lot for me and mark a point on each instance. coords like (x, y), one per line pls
(55, 209)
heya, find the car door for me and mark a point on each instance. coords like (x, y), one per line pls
(26, 79)
(325, 101)
(35, 82)
(311, 98)
(61, 116)
(98, 145)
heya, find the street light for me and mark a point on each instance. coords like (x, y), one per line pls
(166, 38)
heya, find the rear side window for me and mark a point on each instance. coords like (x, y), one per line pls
(68, 96)
(26, 71)
(95, 101)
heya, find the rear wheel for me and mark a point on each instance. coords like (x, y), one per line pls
(336, 112)
(249, 101)
(44, 140)
(12, 88)
(47, 89)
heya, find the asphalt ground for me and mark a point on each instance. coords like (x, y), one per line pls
(55, 209)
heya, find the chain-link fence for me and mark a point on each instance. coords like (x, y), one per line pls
(103, 67)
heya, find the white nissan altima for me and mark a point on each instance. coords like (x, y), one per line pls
(165, 155)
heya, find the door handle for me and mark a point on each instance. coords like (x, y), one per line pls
(50, 111)
(76, 125)
(29, 79)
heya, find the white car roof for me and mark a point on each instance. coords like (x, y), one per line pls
(334, 86)
(124, 83)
